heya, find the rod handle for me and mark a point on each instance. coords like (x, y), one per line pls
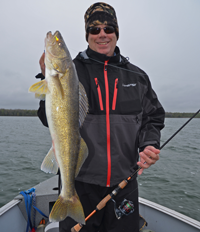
(123, 184)
(103, 202)
(76, 228)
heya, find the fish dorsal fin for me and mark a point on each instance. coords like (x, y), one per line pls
(83, 104)
(83, 153)
(49, 164)
(40, 87)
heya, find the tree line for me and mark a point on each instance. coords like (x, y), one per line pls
(17, 112)
(20, 112)
(181, 115)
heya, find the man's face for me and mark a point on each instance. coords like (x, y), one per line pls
(103, 43)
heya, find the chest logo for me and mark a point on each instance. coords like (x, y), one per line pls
(129, 85)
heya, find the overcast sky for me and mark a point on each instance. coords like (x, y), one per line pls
(161, 37)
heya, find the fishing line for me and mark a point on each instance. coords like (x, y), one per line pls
(114, 66)
(132, 191)
(124, 69)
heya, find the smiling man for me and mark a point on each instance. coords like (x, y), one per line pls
(123, 123)
(102, 39)
(101, 28)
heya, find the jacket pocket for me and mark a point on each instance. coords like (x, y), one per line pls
(115, 94)
(99, 94)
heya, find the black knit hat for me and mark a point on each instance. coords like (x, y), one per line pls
(101, 13)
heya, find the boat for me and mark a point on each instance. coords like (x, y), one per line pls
(13, 216)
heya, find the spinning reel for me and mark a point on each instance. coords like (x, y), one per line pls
(126, 208)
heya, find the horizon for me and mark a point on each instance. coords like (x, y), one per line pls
(165, 111)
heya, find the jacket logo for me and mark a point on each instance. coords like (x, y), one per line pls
(129, 85)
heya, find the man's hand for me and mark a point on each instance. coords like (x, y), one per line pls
(149, 155)
(42, 64)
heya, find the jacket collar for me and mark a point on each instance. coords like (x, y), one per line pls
(89, 53)
(102, 57)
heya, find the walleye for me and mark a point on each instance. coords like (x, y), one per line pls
(66, 106)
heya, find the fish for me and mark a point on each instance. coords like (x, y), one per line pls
(66, 106)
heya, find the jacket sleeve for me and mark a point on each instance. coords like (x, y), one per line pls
(41, 111)
(152, 119)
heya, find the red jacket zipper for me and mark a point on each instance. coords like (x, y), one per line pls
(115, 95)
(99, 94)
(107, 124)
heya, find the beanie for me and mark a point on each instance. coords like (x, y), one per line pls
(101, 13)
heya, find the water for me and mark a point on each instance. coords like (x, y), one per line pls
(174, 181)
(24, 141)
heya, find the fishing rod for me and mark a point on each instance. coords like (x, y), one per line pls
(179, 129)
(171, 137)
(122, 184)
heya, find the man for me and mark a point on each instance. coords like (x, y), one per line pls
(124, 116)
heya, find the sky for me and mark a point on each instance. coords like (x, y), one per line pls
(161, 37)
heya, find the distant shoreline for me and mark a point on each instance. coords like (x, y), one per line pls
(17, 112)
(181, 115)
(20, 112)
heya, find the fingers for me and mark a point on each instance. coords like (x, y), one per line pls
(141, 171)
(42, 64)
(149, 156)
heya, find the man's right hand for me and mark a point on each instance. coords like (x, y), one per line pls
(42, 64)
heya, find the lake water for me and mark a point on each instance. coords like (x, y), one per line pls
(174, 181)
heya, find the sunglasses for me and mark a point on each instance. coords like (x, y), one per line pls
(96, 30)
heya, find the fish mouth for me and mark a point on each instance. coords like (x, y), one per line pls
(49, 38)
(52, 40)
(49, 34)
(56, 53)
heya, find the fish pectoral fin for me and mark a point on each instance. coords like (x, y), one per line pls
(40, 87)
(49, 164)
(83, 104)
(71, 207)
(83, 153)
(66, 73)
(40, 96)
(59, 87)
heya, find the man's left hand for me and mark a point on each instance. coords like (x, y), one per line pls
(149, 155)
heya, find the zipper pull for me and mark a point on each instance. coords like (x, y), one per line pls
(97, 83)
(106, 64)
(117, 83)
(115, 94)
(137, 119)
(99, 93)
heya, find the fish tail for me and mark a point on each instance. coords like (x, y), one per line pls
(71, 207)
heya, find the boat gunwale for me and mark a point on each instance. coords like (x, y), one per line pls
(170, 212)
(142, 201)
(9, 205)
